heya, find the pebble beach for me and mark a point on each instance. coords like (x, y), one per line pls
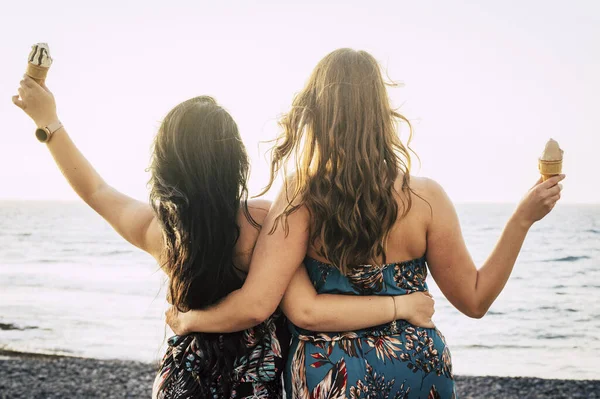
(24, 375)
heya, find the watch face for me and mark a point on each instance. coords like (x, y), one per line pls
(41, 135)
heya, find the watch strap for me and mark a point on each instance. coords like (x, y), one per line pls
(53, 127)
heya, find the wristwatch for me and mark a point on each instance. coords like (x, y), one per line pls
(44, 134)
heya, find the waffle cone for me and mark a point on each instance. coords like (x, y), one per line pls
(549, 168)
(36, 72)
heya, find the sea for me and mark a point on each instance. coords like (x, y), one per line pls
(70, 285)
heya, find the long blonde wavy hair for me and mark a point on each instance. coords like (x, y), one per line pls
(341, 136)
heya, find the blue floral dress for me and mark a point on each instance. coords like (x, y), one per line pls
(397, 360)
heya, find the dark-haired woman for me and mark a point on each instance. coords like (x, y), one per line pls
(363, 225)
(202, 231)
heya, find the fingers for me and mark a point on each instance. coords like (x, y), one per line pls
(554, 190)
(32, 83)
(554, 180)
(28, 82)
(553, 199)
(24, 92)
(550, 202)
(31, 86)
(171, 313)
(427, 323)
(538, 182)
(171, 319)
(549, 191)
(18, 102)
(429, 296)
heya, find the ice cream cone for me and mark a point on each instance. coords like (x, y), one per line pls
(36, 72)
(38, 62)
(550, 163)
(549, 168)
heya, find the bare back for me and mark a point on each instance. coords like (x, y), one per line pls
(408, 236)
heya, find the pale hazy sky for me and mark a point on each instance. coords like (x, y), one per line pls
(486, 83)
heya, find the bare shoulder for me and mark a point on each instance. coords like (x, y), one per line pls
(431, 199)
(249, 231)
(259, 208)
(289, 196)
(428, 188)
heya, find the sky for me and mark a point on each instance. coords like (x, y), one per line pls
(484, 83)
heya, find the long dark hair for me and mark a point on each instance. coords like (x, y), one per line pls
(198, 185)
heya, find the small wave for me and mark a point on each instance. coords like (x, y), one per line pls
(552, 336)
(116, 252)
(492, 312)
(14, 327)
(479, 346)
(23, 235)
(109, 253)
(593, 231)
(568, 259)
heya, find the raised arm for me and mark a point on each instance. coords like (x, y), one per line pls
(132, 219)
(470, 290)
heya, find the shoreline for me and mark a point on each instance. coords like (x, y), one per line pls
(33, 375)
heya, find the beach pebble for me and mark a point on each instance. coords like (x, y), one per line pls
(33, 376)
(49, 377)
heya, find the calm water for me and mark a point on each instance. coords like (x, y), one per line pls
(69, 284)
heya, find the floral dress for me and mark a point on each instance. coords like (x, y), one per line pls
(397, 360)
(186, 362)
